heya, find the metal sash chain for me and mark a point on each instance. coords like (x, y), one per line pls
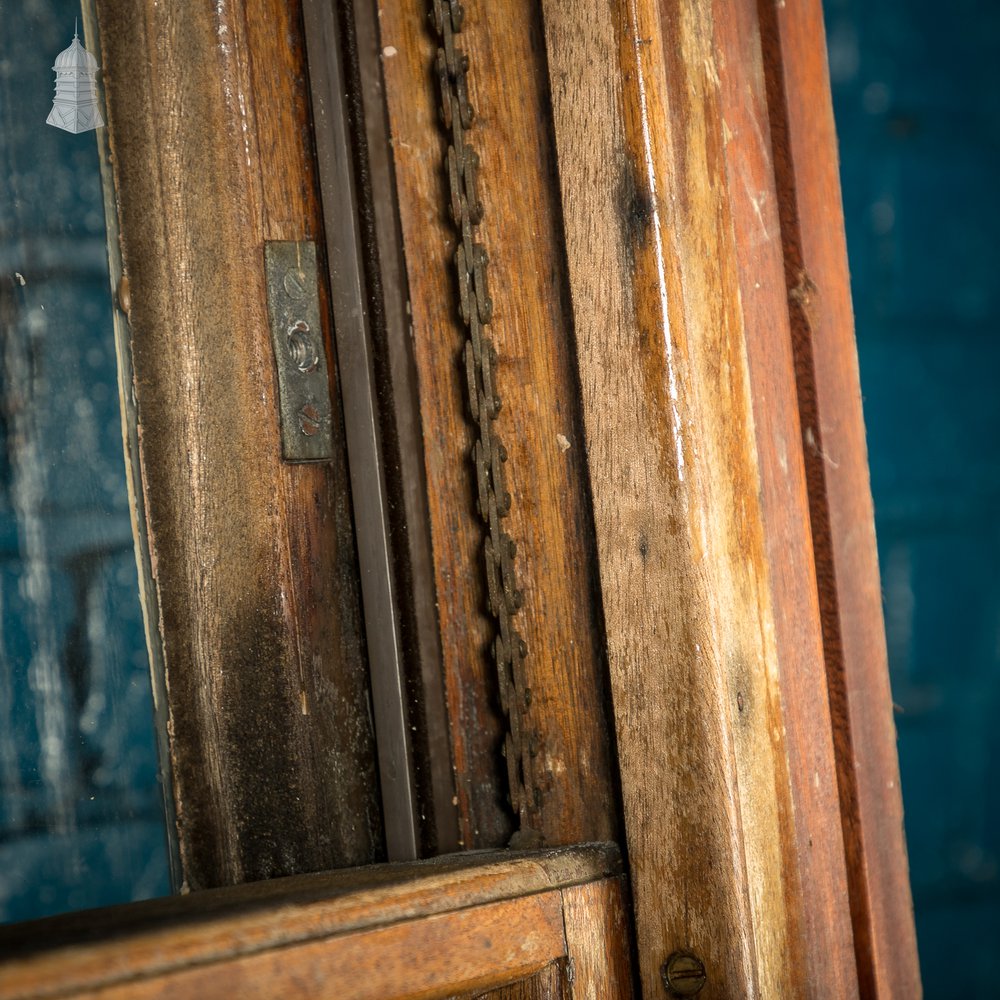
(488, 453)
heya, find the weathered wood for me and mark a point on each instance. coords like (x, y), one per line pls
(416, 960)
(237, 929)
(683, 557)
(566, 731)
(816, 886)
(598, 941)
(829, 396)
(253, 559)
(544, 985)
(598, 962)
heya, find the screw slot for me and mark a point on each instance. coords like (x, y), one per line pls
(295, 283)
(310, 420)
(683, 974)
(302, 347)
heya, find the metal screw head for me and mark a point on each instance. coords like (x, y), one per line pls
(683, 974)
(310, 420)
(295, 283)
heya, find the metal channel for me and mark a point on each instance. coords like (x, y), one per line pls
(357, 385)
(438, 801)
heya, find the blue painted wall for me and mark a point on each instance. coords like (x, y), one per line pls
(916, 88)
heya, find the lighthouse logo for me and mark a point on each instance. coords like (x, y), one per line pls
(75, 107)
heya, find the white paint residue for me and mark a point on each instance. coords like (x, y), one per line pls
(810, 439)
(782, 455)
(711, 73)
(758, 203)
(563, 442)
(647, 146)
(389, 51)
(246, 128)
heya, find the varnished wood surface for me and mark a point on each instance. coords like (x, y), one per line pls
(843, 528)
(566, 729)
(271, 933)
(816, 885)
(253, 560)
(640, 128)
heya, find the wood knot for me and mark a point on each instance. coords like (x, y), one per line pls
(635, 206)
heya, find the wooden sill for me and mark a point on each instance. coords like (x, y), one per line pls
(498, 912)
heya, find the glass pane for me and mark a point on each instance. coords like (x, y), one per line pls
(81, 808)
(917, 101)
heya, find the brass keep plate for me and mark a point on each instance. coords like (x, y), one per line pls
(304, 402)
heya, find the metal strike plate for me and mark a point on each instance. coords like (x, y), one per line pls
(299, 350)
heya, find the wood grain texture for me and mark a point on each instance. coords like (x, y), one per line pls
(549, 984)
(566, 730)
(220, 928)
(816, 886)
(598, 941)
(434, 957)
(253, 560)
(829, 394)
(654, 275)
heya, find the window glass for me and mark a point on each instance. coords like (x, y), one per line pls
(81, 808)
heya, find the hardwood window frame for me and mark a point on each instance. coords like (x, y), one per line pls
(702, 606)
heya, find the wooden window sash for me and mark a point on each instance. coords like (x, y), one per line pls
(253, 559)
(452, 925)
